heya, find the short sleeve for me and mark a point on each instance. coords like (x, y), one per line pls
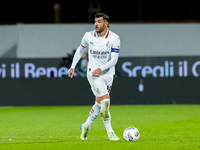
(84, 42)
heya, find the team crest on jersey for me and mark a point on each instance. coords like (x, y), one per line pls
(108, 44)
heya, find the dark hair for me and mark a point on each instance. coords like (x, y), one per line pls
(105, 17)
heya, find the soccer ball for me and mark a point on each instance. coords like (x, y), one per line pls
(131, 134)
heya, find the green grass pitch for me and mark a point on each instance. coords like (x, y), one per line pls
(57, 127)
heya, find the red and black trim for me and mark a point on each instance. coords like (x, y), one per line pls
(83, 46)
(107, 34)
(95, 34)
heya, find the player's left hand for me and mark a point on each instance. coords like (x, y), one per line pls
(96, 72)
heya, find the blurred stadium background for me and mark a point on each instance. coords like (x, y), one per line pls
(159, 57)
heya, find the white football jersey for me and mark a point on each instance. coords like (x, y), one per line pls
(99, 49)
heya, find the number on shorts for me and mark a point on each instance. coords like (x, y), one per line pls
(108, 88)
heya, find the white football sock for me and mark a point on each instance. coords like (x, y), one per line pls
(105, 115)
(94, 113)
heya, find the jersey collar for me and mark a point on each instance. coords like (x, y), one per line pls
(105, 36)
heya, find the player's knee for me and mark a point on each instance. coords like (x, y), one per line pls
(99, 99)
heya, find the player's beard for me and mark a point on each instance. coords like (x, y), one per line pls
(100, 29)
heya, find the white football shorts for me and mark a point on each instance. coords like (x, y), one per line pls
(100, 85)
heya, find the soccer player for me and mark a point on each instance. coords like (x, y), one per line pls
(103, 48)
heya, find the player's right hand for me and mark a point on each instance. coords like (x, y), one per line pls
(71, 72)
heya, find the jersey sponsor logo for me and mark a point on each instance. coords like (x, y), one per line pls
(99, 54)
